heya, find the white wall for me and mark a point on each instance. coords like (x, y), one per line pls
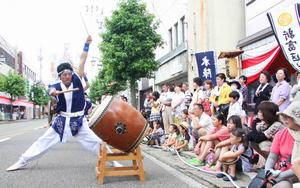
(167, 12)
(256, 18)
(214, 25)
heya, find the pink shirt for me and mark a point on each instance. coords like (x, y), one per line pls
(282, 145)
(221, 133)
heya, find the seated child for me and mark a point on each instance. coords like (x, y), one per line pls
(171, 140)
(182, 139)
(233, 123)
(238, 157)
(209, 141)
(157, 137)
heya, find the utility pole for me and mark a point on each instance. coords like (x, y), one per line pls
(40, 59)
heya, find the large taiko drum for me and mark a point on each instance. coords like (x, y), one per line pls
(118, 124)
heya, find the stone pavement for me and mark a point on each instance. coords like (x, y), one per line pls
(204, 178)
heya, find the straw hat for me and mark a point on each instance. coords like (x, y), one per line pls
(185, 125)
(293, 111)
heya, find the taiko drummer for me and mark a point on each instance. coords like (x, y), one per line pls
(70, 119)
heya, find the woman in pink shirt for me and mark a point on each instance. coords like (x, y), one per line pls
(285, 149)
(219, 133)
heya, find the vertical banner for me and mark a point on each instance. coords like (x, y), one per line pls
(206, 65)
(285, 24)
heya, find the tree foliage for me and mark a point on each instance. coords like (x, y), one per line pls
(104, 85)
(14, 85)
(129, 42)
(39, 95)
(2, 82)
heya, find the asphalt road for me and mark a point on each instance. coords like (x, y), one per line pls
(70, 165)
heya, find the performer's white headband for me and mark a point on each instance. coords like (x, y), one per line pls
(65, 71)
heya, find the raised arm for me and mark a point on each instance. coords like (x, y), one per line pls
(84, 56)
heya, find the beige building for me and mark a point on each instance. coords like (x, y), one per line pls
(260, 41)
(188, 27)
(213, 25)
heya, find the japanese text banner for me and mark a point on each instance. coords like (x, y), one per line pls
(285, 24)
(206, 65)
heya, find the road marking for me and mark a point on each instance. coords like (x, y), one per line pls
(5, 139)
(184, 178)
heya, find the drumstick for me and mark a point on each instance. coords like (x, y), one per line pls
(82, 19)
(67, 91)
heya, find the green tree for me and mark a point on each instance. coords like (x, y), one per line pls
(38, 95)
(15, 86)
(105, 84)
(129, 43)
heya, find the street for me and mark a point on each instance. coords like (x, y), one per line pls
(69, 165)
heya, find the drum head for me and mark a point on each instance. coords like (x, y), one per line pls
(99, 111)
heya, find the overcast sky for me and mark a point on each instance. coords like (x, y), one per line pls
(50, 24)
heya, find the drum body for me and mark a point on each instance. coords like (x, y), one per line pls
(118, 124)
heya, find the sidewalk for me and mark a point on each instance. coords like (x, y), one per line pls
(16, 121)
(204, 178)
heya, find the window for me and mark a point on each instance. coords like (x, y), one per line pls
(182, 22)
(176, 34)
(170, 39)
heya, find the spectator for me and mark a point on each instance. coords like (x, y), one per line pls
(234, 122)
(220, 95)
(285, 149)
(187, 95)
(265, 128)
(177, 104)
(182, 139)
(244, 91)
(198, 95)
(171, 140)
(263, 91)
(201, 124)
(155, 114)
(295, 92)
(235, 107)
(157, 137)
(281, 91)
(238, 157)
(208, 86)
(236, 86)
(209, 141)
(147, 105)
(165, 101)
(185, 116)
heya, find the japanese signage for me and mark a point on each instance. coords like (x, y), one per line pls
(285, 24)
(206, 65)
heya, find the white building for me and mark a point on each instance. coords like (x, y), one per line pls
(260, 40)
(213, 25)
(172, 57)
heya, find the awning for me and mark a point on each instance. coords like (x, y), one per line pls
(267, 57)
(4, 100)
(22, 103)
(230, 54)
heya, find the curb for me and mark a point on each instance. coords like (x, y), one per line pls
(201, 177)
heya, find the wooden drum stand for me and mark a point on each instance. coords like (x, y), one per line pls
(136, 169)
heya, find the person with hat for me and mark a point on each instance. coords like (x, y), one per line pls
(285, 149)
(182, 139)
(70, 119)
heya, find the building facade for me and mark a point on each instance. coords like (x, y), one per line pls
(213, 26)
(260, 41)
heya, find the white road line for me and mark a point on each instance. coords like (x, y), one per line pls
(5, 139)
(186, 179)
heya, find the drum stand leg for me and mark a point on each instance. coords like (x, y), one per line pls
(136, 169)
